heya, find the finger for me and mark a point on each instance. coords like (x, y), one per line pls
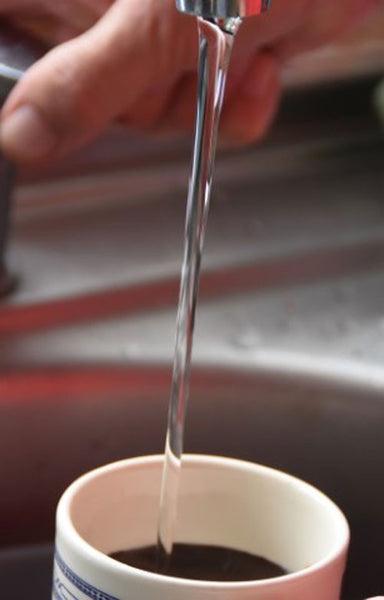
(101, 6)
(179, 109)
(55, 22)
(9, 6)
(70, 95)
(47, 28)
(250, 109)
(81, 13)
(298, 25)
(151, 110)
(324, 22)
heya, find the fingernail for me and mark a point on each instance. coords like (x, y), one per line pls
(258, 80)
(26, 136)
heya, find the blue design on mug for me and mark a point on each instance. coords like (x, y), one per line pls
(69, 586)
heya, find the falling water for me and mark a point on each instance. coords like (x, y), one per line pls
(216, 39)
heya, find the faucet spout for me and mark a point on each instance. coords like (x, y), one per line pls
(223, 9)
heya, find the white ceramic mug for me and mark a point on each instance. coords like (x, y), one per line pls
(224, 502)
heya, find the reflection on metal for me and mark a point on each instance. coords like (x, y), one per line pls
(223, 9)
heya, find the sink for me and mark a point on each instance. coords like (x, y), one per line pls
(290, 331)
(57, 423)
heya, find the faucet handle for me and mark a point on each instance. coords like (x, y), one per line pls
(223, 9)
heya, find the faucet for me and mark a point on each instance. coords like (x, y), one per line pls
(223, 9)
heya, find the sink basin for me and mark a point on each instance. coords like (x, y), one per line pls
(290, 332)
(56, 424)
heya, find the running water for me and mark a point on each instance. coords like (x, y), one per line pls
(216, 41)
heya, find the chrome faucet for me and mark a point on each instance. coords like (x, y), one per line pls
(223, 9)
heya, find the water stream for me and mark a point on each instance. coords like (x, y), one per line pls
(215, 42)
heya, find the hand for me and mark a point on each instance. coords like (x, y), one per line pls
(134, 61)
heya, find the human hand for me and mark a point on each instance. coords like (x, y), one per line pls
(134, 61)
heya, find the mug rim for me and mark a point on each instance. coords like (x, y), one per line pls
(73, 538)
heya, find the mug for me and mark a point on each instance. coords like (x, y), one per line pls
(223, 502)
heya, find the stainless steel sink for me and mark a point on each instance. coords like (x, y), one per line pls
(57, 424)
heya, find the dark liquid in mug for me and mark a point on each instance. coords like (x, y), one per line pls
(206, 563)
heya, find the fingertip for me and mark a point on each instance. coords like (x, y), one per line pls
(53, 108)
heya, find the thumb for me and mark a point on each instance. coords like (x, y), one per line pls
(69, 96)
